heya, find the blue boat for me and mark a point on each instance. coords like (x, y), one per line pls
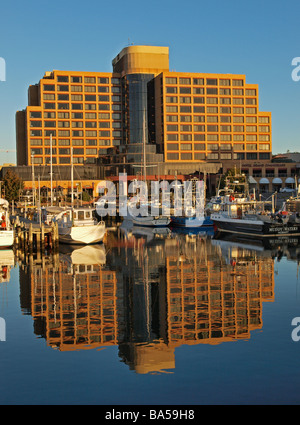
(191, 222)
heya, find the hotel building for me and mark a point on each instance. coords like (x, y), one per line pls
(180, 122)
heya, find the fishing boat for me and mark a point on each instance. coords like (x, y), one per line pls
(79, 226)
(149, 221)
(6, 229)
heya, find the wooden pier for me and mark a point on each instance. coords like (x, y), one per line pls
(32, 237)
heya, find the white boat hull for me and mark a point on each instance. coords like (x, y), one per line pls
(82, 235)
(6, 238)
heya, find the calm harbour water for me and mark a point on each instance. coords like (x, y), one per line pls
(152, 318)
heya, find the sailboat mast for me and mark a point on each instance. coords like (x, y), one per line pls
(51, 172)
(144, 145)
(72, 178)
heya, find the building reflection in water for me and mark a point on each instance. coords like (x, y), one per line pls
(148, 293)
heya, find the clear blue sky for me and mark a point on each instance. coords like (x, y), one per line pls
(258, 38)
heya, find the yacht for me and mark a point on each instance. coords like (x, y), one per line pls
(79, 226)
(6, 229)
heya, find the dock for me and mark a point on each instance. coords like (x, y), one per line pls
(33, 237)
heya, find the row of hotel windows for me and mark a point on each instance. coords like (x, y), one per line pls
(216, 118)
(201, 156)
(76, 115)
(216, 146)
(215, 128)
(87, 80)
(210, 109)
(87, 89)
(212, 100)
(75, 142)
(174, 137)
(87, 97)
(210, 90)
(64, 160)
(77, 124)
(207, 81)
(87, 106)
(75, 133)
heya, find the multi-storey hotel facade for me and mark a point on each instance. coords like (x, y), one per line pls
(176, 122)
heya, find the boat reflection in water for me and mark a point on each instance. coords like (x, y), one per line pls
(7, 262)
(149, 294)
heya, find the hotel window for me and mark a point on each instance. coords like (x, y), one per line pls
(172, 90)
(211, 90)
(62, 88)
(49, 133)
(47, 141)
(251, 138)
(116, 89)
(225, 91)
(91, 142)
(225, 101)
(198, 109)
(172, 127)
(104, 142)
(90, 115)
(101, 107)
(238, 137)
(186, 137)
(103, 116)
(34, 114)
(64, 160)
(199, 156)
(103, 89)
(238, 92)
(238, 101)
(199, 118)
(185, 128)
(198, 99)
(116, 124)
(37, 160)
(263, 120)
(264, 155)
(250, 101)
(211, 81)
(212, 156)
(225, 138)
(61, 124)
(76, 88)
(91, 124)
(198, 90)
(238, 146)
(238, 128)
(75, 133)
(103, 80)
(251, 147)
(171, 99)
(62, 78)
(251, 120)
(49, 87)
(185, 118)
(103, 98)
(238, 110)
(171, 118)
(250, 92)
(186, 156)
(199, 137)
(237, 119)
(116, 116)
(212, 109)
(184, 81)
(77, 115)
(172, 146)
(48, 151)
(224, 82)
(173, 156)
(63, 142)
(77, 106)
(78, 151)
(170, 80)
(199, 146)
(225, 118)
(185, 99)
(264, 147)
(77, 142)
(36, 151)
(225, 127)
(237, 83)
(76, 97)
(211, 100)
(212, 147)
(76, 79)
(225, 156)
(185, 90)
(48, 96)
(250, 110)
(90, 98)
(104, 133)
(198, 81)
(251, 155)
(104, 124)
(264, 138)
(212, 128)
(90, 80)
(238, 155)
(199, 128)
(185, 109)
(251, 128)
(186, 147)
(225, 147)
(171, 108)
(225, 110)
(264, 128)
(270, 173)
(90, 133)
(115, 81)
(36, 124)
(115, 107)
(64, 151)
(35, 133)
(36, 142)
(62, 97)
(91, 151)
(212, 137)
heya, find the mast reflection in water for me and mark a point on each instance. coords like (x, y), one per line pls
(148, 292)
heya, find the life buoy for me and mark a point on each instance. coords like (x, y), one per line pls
(231, 198)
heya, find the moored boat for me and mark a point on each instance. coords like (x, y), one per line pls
(6, 229)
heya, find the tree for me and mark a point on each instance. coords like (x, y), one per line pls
(12, 184)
